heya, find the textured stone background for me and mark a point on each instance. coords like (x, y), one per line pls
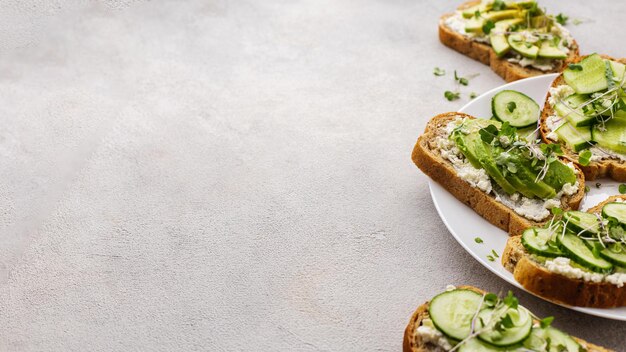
(231, 175)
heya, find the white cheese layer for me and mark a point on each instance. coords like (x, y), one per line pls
(429, 334)
(457, 23)
(563, 266)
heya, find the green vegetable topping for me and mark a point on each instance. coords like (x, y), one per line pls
(584, 157)
(491, 258)
(587, 189)
(575, 67)
(474, 95)
(511, 301)
(622, 188)
(439, 72)
(488, 26)
(488, 133)
(498, 5)
(545, 322)
(511, 106)
(478, 240)
(452, 95)
(561, 19)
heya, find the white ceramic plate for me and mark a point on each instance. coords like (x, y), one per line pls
(465, 225)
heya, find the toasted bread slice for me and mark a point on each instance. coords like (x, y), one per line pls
(556, 287)
(483, 52)
(429, 160)
(414, 343)
(613, 168)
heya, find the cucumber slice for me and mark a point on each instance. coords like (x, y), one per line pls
(576, 138)
(582, 222)
(549, 51)
(580, 253)
(517, 42)
(522, 325)
(539, 338)
(613, 137)
(475, 345)
(618, 70)
(452, 312)
(518, 109)
(615, 253)
(571, 111)
(592, 77)
(559, 338)
(536, 240)
(616, 211)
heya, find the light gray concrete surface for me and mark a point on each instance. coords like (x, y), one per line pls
(231, 175)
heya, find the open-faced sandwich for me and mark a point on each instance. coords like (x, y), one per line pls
(578, 258)
(468, 319)
(516, 39)
(585, 112)
(510, 181)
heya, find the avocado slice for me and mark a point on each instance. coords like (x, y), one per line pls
(501, 15)
(497, 37)
(559, 174)
(527, 177)
(484, 152)
(541, 21)
(461, 142)
(549, 51)
(517, 42)
(474, 25)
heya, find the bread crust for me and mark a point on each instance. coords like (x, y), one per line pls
(615, 169)
(442, 171)
(413, 342)
(556, 287)
(482, 52)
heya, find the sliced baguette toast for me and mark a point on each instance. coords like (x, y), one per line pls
(613, 168)
(427, 158)
(509, 71)
(413, 342)
(556, 287)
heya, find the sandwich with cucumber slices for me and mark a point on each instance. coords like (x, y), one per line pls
(469, 319)
(517, 39)
(511, 181)
(585, 112)
(577, 258)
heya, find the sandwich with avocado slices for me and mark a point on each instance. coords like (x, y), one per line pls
(585, 113)
(577, 258)
(510, 181)
(517, 39)
(469, 319)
